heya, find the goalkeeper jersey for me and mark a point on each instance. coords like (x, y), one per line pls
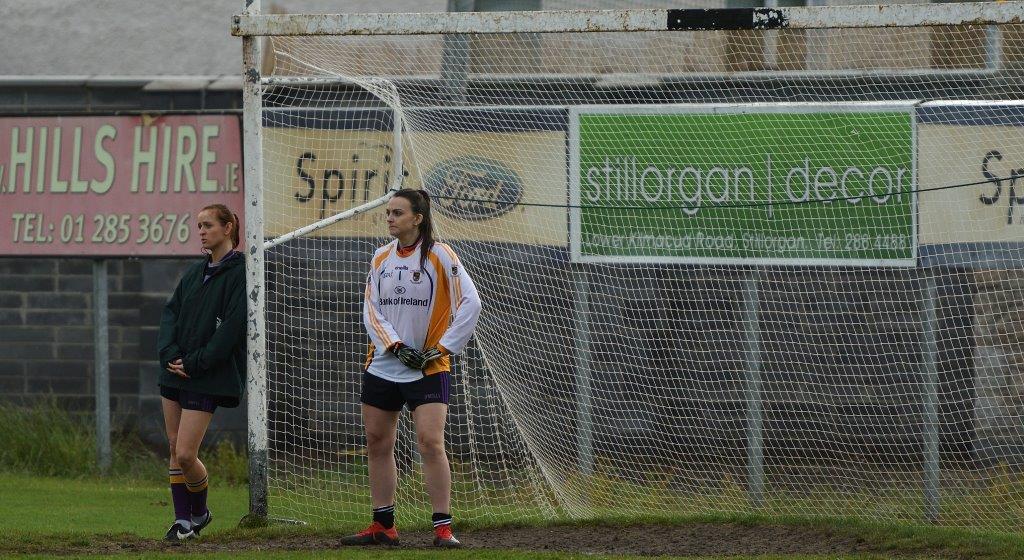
(436, 305)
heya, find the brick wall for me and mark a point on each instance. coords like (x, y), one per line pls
(46, 337)
(46, 347)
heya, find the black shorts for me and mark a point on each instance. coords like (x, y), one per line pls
(190, 400)
(389, 395)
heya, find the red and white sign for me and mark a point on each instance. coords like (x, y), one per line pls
(114, 186)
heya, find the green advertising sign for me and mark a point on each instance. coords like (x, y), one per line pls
(758, 184)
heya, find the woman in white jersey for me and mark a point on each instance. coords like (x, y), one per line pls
(420, 308)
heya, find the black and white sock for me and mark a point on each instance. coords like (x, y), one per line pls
(385, 515)
(441, 519)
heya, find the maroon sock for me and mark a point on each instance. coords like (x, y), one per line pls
(179, 496)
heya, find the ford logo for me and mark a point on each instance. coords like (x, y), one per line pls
(474, 188)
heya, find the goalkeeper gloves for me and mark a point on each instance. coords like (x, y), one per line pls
(411, 357)
(431, 354)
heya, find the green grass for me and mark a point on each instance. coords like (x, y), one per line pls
(46, 514)
(51, 498)
(38, 505)
(992, 501)
(455, 554)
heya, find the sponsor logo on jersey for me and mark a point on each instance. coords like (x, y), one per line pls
(399, 290)
(474, 188)
(384, 301)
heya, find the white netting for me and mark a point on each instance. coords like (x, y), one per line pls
(708, 282)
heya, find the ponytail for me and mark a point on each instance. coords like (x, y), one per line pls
(235, 231)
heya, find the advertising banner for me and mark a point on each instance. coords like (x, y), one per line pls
(794, 184)
(114, 185)
(981, 147)
(496, 174)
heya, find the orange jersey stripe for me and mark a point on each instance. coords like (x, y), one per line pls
(451, 254)
(380, 259)
(440, 317)
(373, 319)
(369, 356)
(457, 283)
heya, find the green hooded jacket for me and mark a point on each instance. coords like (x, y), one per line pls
(204, 325)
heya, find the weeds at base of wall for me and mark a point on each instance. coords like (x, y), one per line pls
(42, 438)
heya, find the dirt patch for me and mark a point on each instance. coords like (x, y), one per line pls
(645, 540)
(673, 540)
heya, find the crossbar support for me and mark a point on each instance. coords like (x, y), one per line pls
(579, 21)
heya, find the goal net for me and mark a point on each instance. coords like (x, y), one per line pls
(743, 260)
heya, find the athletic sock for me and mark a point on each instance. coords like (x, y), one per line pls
(197, 496)
(200, 519)
(440, 519)
(385, 516)
(180, 498)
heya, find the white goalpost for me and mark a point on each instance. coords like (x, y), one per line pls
(732, 260)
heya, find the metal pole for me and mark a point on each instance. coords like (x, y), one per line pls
(993, 47)
(455, 58)
(770, 55)
(931, 404)
(816, 57)
(256, 365)
(584, 419)
(102, 365)
(755, 420)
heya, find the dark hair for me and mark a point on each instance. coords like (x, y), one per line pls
(420, 202)
(225, 217)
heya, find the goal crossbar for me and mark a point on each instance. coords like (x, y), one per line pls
(579, 21)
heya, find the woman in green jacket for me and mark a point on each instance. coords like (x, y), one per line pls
(202, 352)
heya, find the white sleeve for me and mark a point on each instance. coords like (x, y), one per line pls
(381, 332)
(465, 303)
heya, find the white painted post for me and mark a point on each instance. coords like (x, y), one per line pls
(256, 364)
(633, 20)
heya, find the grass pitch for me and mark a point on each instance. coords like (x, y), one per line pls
(52, 503)
(46, 516)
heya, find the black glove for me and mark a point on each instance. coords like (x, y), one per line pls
(411, 357)
(431, 354)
